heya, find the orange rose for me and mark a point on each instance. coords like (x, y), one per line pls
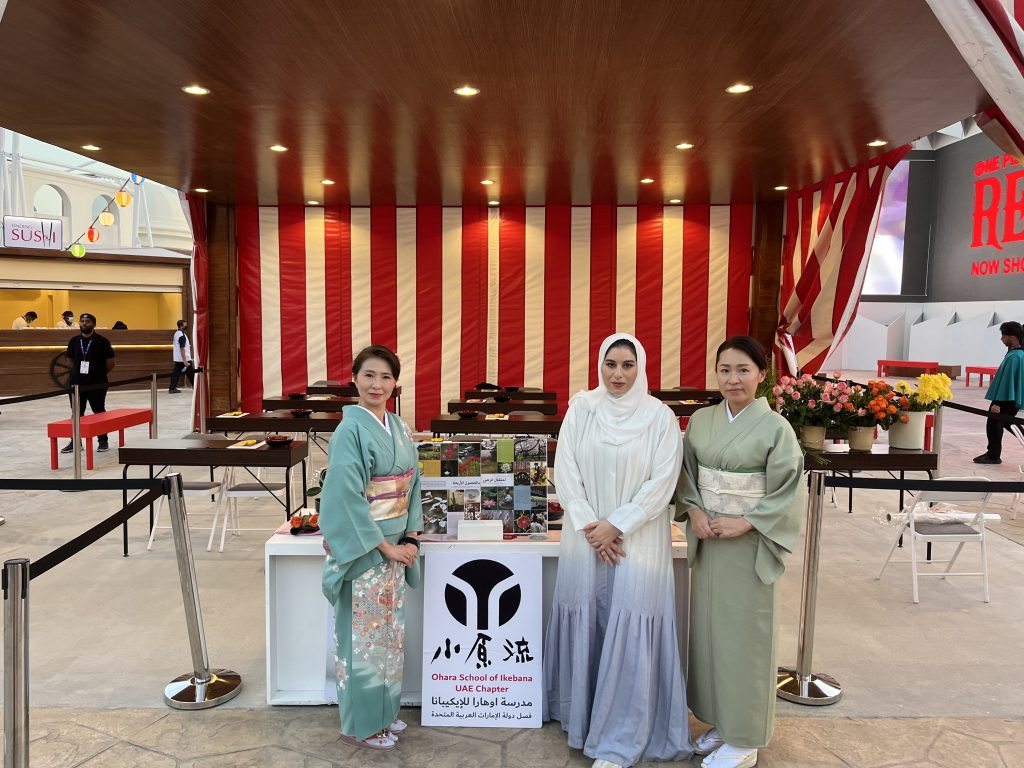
(904, 419)
(296, 521)
(891, 409)
(314, 520)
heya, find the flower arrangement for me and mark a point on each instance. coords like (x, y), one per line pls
(932, 390)
(808, 402)
(314, 491)
(877, 405)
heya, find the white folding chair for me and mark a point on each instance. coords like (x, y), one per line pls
(232, 493)
(959, 533)
(1019, 434)
(214, 488)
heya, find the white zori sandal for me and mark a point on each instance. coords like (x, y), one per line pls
(728, 756)
(708, 743)
(397, 727)
(382, 741)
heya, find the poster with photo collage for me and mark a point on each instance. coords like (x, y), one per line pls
(491, 479)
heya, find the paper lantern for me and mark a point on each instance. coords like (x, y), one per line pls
(92, 234)
(123, 198)
(136, 179)
(77, 250)
(106, 218)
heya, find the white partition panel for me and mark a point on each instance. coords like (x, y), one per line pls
(927, 337)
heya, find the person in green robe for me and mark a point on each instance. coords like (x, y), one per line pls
(741, 494)
(1005, 392)
(370, 517)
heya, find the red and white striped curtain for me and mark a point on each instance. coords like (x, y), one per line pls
(992, 43)
(520, 295)
(829, 230)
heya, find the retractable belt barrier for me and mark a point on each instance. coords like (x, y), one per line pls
(965, 486)
(200, 689)
(86, 388)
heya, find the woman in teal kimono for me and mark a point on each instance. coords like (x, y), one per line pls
(370, 517)
(740, 492)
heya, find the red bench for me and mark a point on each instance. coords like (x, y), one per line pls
(924, 367)
(98, 424)
(982, 371)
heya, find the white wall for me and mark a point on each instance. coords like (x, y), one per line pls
(954, 333)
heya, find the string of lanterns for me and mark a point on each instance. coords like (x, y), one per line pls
(122, 198)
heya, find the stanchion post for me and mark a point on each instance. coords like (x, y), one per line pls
(15, 588)
(76, 429)
(202, 688)
(154, 427)
(799, 684)
(199, 412)
(937, 440)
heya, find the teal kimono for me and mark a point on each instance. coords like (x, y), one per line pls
(371, 494)
(750, 468)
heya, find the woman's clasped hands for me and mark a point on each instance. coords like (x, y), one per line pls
(606, 540)
(717, 527)
(405, 554)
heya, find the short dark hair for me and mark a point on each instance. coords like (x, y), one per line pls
(623, 344)
(30, 315)
(749, 346)
(67, 313)
(181, 323)
(1012, 328)
(377, 350)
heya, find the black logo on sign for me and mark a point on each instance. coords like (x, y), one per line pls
(485, 578)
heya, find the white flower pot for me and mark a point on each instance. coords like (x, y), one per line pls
(812, 437)
(909, 436)
(861, 438)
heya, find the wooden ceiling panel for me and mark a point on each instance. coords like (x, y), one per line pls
(579, 99)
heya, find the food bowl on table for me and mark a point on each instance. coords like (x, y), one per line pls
(296, 395)
(501, 398)
(511, 389)
(466, 414)
(301, 413)
(278, 441)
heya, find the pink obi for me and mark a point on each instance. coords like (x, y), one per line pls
(388, 495)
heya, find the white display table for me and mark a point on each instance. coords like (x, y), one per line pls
(300, 662)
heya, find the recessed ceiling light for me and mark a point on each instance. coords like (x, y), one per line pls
(646, 180)
(312, 202)
(877, 143)
(780, 188)
(90, 148)
(493, 202)
(327, 182)
(684, 145)
(675, 201)
(467, 90)
(486, 182)
(278, 148)
(201, 190)
(196, 90)
(739, 88)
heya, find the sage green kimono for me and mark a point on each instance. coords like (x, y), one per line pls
(371, 493)
(752, 467)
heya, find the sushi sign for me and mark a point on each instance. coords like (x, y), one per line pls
(24, 232)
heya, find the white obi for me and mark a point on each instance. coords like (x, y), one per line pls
(730, 494)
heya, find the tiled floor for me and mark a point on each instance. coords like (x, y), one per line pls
(937, 684)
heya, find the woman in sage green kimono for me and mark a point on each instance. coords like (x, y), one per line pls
(370, 515)
(740, 492)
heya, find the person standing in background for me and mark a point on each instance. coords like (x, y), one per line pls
(24, 321)
(1006, 391)
(182, 355)
(67, 320)
(92, 358)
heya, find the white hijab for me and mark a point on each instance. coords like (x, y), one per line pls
(621, 418)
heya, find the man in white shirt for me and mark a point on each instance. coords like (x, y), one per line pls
(67, 320)
(24, 321)
(182, 355)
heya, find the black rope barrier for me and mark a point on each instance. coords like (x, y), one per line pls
(86, 388)
(962, 486)
(98, 531)
(109, 484)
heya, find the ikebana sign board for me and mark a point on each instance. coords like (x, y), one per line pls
(24, 232)
(482, 646)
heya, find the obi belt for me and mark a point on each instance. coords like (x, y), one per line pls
(388, 495)
(730, 494)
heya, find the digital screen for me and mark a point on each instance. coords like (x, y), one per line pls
(885, 263)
